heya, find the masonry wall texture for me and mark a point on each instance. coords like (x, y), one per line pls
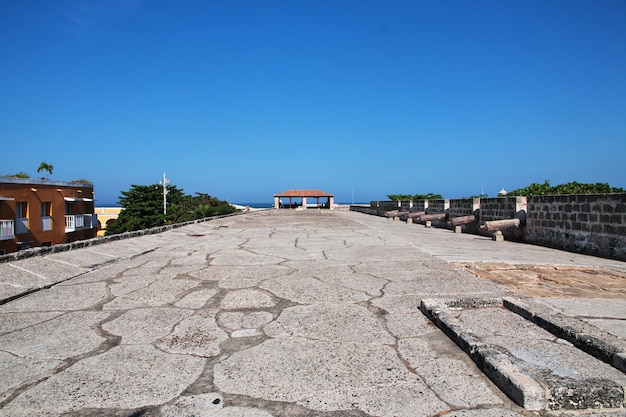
(438, 206)
(501, 208)
(419, 205)
(593, 224)
(384, 206)
(464, 207)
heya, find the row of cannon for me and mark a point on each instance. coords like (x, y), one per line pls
(454, 222)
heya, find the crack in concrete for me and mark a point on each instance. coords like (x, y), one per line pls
(286, 409)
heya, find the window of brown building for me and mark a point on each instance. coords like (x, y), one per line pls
(21, 217)
(46, 216)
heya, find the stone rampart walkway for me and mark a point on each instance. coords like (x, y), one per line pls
(280, 313)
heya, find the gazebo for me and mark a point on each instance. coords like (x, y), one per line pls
(304, 194)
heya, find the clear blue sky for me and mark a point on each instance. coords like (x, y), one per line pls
(244, 99)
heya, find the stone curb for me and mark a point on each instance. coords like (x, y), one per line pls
(52, 284)
(42, 251)
(527, 388)
(586, 337)
(521, 388)
(45, 250)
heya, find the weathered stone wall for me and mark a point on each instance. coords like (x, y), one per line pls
(420, 205)
(381, 207)
(501, 208)
(384, 206)
(594, 224)
(367, 210)
(464, 207)
(438, 206)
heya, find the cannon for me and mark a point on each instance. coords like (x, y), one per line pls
(458, 221)
(431, 217)
(411, 216)
(427, 219)
(499, 225)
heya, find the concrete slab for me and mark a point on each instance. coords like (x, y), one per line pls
(587, 335)
(74, 296)
(49, 267)
(124, 377)
(16, 281)
(589, 308)
(277, 313)
(81, 258)
(531, 365)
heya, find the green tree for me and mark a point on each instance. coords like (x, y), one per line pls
(20, 174)
(533, 189)
(429, 196)
(198, 206)
(580, 188)
(203, 211)
(569, 188)
(405, 197)
(45, 167)
(143, 208)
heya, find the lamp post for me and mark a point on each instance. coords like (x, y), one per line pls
(164, 182)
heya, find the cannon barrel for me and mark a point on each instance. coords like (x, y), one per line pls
(458, 221)
(411, 214)
(431, 217)
(416, 213)
(392, 213)
(496, 225)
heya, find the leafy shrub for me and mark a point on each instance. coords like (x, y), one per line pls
(405, 197)
(569, 188)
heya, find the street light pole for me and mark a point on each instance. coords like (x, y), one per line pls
(165, 182)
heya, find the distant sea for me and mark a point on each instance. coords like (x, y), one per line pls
(270, 205)
(256, 205)
(252, 205)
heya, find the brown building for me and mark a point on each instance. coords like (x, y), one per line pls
(36, 212)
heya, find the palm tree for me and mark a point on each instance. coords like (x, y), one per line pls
(203, 211)
(45, 167)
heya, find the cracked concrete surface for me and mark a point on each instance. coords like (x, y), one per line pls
(273, 313)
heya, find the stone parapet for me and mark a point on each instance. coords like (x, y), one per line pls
(44, 250)
(593, 224)
(464, 207)
(501, 208)
(438, 206)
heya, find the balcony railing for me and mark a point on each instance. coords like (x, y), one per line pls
(75, 222)
(21, 226)
(46, 223)
(7, 229)
(87, 221)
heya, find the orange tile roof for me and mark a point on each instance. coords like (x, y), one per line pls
(303, 193)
